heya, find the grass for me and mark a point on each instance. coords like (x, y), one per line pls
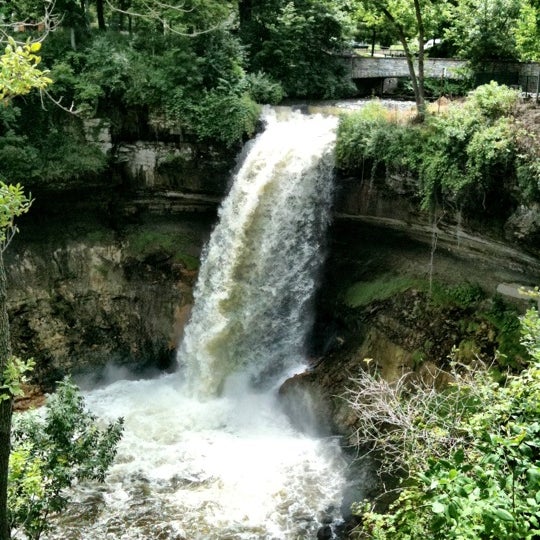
(143, 243)
(363, 293)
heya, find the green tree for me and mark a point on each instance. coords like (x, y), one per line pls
(528, 32)
(485, 29)
(19, 74)
(412, 22)
(296, 44)
(190, 18)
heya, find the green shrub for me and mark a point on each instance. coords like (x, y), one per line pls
(53, 451)
(480, 477)
(464, 295)
(493, 100)
(369, 136)
(470, 157)
(263, 89)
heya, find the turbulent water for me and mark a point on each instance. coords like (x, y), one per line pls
(252, 300)
(207, 453)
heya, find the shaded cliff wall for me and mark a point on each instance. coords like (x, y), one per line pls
(103, 269)
(375, 301)
(82, 295)
(104, 272)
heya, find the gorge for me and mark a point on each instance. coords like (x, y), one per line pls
(123, 293)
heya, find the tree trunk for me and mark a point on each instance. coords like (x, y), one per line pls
(5, 406)
(417, 79)
(420, 98)
(100, 15)
(72, 38)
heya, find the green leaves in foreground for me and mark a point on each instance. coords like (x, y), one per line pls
(19, 73)
(13, 203)
(489, 488)
(52, 451)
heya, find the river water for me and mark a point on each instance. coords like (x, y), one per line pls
(207, 451)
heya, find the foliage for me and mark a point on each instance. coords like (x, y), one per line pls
(145, 243)
(492, 101)
(371, 136)
(484, 29)
(13, 203)
(18, 76)
(52, 451)
(467, 157)
(470, 475)
(19, 72)
(528, 158)
(238, 115)
(14, 377)
(363, 293)
(294, 43)
(58, 154)
(264, 89)
(436, 87)
(196, 86)
(463, 295)
(528, 32)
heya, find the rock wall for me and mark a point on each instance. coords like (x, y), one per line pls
(379, 237)
(83, 297)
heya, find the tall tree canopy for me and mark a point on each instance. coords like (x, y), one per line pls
(19, 74)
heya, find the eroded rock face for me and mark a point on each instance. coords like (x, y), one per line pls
(78, 305)
(524, 226)
(183, 166)
(404, 332)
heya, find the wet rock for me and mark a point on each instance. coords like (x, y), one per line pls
(305, 405)
(325, 533)
(524, 225)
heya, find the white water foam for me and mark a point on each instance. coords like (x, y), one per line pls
(226, 468)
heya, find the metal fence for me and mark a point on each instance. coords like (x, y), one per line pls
(530, 85)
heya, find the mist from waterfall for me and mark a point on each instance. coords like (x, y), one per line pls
(252, 307)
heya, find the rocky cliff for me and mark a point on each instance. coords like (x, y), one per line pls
(83, 296)
(402, 290)
(105, 274)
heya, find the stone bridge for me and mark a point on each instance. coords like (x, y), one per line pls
(382, 68)
(375, 72)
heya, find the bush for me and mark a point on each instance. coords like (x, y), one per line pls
(493, 100)
(50, 453)
(470, 453)
(470, 157)
(370, 136)
(263, 89)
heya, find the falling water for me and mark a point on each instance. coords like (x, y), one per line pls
(207, 452)
(252, 301)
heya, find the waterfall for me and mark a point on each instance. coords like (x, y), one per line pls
(209, 454)
(258, 276)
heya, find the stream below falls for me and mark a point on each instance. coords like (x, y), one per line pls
(226, 468)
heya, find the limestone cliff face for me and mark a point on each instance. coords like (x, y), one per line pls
(110, 279)
(122, 298)
(379, 235)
